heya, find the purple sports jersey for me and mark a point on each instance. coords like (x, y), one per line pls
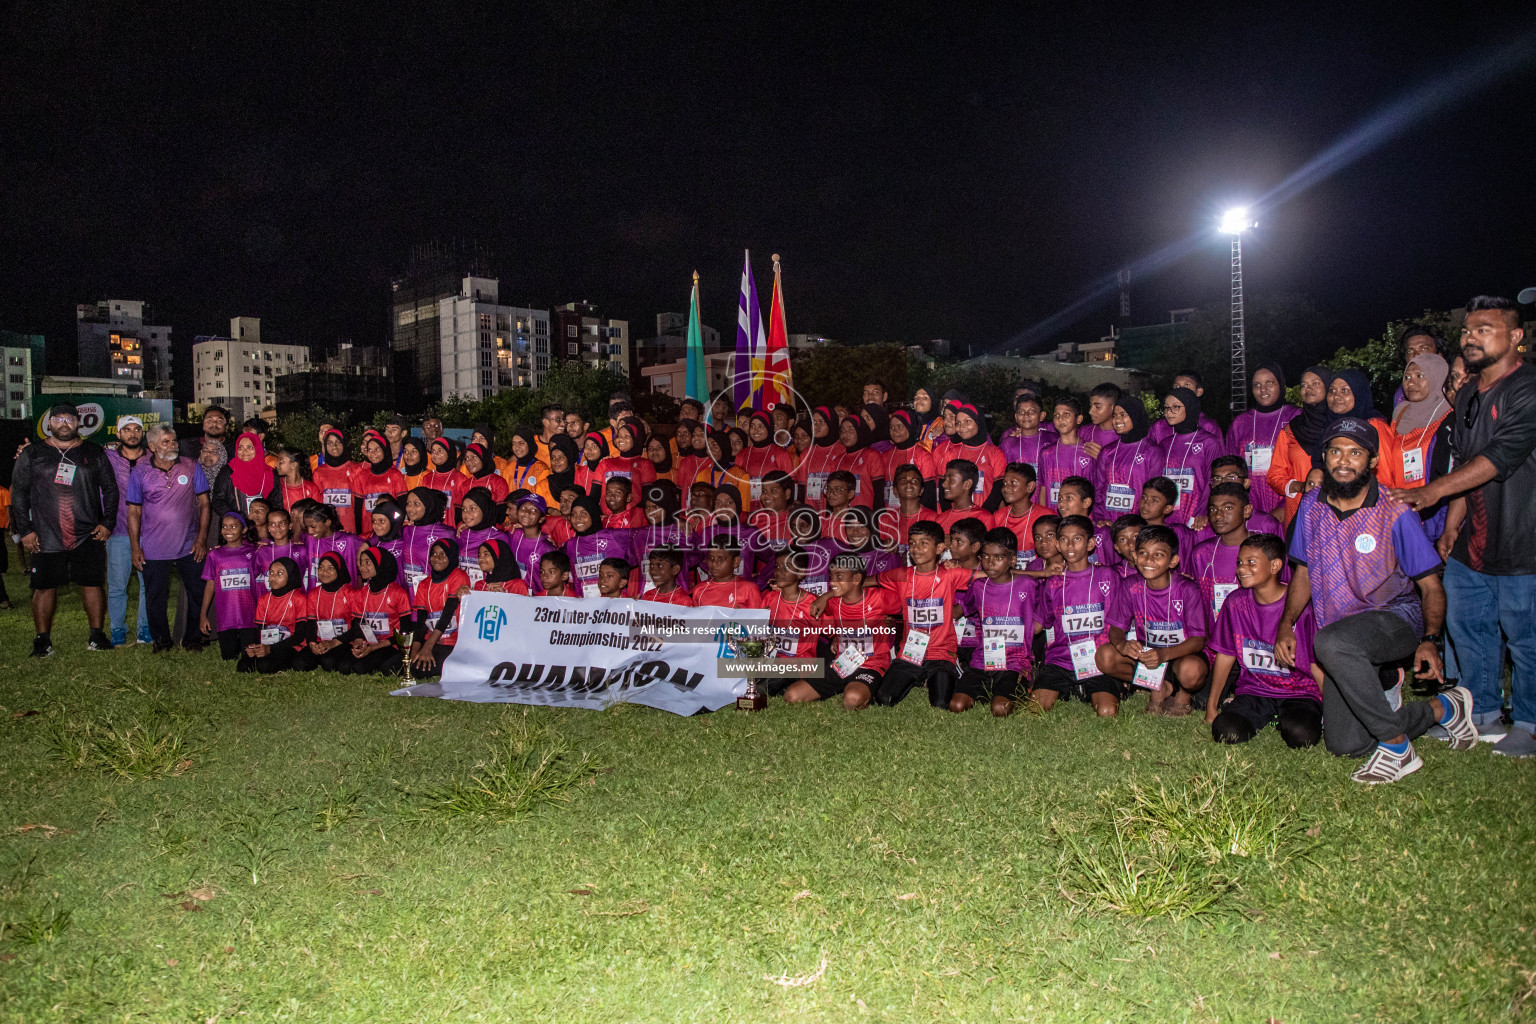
(528, 551)
(121, 468)
(1160, 431)
(1245, 630)
(1366, 561)
(587, 554)
(647, 539)
(1077, 606)
(469, 548)
(1163, 618)
(1253, 436)
(1058, 462)
(1213, 567)
(1002, 613)
(344, 545)
(268, 552)
(1018, 448)
(232, 572)
(1188, 464)
(416, 550)
(1121, 473)
(819, 555)
(167, 499)
(1090, 433)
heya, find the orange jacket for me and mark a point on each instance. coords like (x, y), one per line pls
(1291, 464)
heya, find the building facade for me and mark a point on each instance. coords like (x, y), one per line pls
(436, 272)
(240, 372)
(484, 346)
(355, 378)
(16, 399)
(114, 341)
(580, 335)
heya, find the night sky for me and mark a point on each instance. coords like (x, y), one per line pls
(924, 174)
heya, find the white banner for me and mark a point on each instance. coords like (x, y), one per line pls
(581, 653)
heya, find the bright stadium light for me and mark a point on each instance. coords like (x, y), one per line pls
(1236, 220)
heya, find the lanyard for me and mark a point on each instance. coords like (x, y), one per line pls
(1114, 462)
(1273, 434)
(1167, 601)
(282, 616)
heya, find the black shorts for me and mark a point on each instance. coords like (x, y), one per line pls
(84, 565)
(980, 685)
(831, 684)
(1262, 711)
(1065, 682)
(936, 676)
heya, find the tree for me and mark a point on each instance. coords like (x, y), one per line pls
(834, 375)
(571, 385)
(1382, 358)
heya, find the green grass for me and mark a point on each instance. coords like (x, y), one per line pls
(179, 843)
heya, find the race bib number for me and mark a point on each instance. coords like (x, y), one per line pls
(815, 484)
(1080, 619)
(755, 488)
(234, 579)
(1149, 678)
(1120, 498)
(1022, 559)
(273, 635)
(370, 501)
(586, 575)
(1006, 633)
(1259, 458)
(848, 660)
(1220, 595)
(65, 474)
(1185, 478)
(1164, 634)
(375, 626)
(925, 612)
(1083, 664)
(817, 587)
(337, 498)
(788, 643)
(330, 629)
(1259, 658)
(916, 646)
(1055, 494)
(1413, 464)
(413, 576)
(981, 484)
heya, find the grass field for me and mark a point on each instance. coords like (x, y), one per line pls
(179, 843)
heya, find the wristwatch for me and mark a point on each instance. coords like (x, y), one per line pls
(1431, 638)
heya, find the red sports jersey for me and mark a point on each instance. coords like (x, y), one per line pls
(862, 624)
(332, 611)
(383, 611)
(284, 613)
(510, 587)
(793, 624)
(733, 593)
(431, 598)
(638, 470)
(949, 518)
(370, 487)
(867, 466)
(335, 486)
(1022, 527)
(679, 596)
(929, 603)
(632, 518)
(557, 529)
(289, 494)
(894, 525)
(453, 485)
(917, 456)
(819, 462)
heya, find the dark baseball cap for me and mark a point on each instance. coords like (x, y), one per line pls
(1358, 431)
(64, 409)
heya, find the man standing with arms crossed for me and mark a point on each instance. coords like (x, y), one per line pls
(64, 506)
(1490, 531)
(1367, 552)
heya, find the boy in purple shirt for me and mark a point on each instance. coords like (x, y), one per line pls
(1002, 606)
(1213, 564)
(1168, 614)
(1291, 696)
(1074, 610)
(1064, 457)
(232, 597)
(1230, 469)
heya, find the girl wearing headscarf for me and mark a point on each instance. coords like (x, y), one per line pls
(374, 478)
(282, 626)
(628, 462)
(761, 456)
(591, 543)
(1419, 416)
(333, 606)
(244, 478)
(413, 461)
(1255, 434)
(971, 442)
(879, 423)
(1161, 429)
(1190, 449)
(907, 450)
(737, 435)
(285, 539)
(388, 531)
(423, 528)
(594, 449)
(659, 454)
(444, 477)
(437, 610)
(482, 435)
(1349, 394)
(926, 413)
(525, 470)
(325, 535)
(500, 571)
(382, 609)
(564, 456)
(866, 465)
(333, 475)
(230, 594)
(1124, 466)
(661, 504)
(479, 465)
(821, 460)
(481, 516)
(1301, 439)
(721, 470)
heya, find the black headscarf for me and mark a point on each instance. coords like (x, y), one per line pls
(504, 567)
(1273, 368)
(1191, 403)
(925, 418)
(914, 428)
(484, 430)
(434, 502)
(593, 509)
(976, 416)
(407, 466)
(449, 545)
(1136, 412)
(666, 495)
(725, 460)
(295, 576)
(491, 514)
(881, 431)
(826, 413)
(527, 434)
(665, 465)
(391, 510)
(567, 444)
(325, 459)
(860, 434)
(1309, 425)
(603, 451)
(746, 442)
(1360, 387)
(384, 463)
(451, 447)
(386, 569)
(342, 576)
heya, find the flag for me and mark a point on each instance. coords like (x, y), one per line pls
(776, 387)
(751, 347)
(697, 377)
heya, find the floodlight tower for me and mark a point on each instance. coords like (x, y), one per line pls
(1234, 222)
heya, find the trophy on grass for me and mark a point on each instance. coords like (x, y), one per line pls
(754, 699)
(403, 642)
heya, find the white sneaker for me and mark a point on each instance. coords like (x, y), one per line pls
(1463, 734)
(1385, 766)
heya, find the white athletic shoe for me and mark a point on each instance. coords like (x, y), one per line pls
(1463, 734)
(1385, 766)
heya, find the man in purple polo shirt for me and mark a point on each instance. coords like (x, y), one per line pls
(1365, 552)
(168, 516)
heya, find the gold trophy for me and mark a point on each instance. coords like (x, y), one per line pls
(754, 699)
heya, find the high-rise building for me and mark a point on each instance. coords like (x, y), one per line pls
(485, 346)
(240, 372)
(579, 334)
(351, 378)
(114, 341)
(21, 374)
(434, 273)
(669, 346)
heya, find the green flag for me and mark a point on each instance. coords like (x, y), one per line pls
(698, 378)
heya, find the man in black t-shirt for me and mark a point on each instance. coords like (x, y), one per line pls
(1489, 541)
